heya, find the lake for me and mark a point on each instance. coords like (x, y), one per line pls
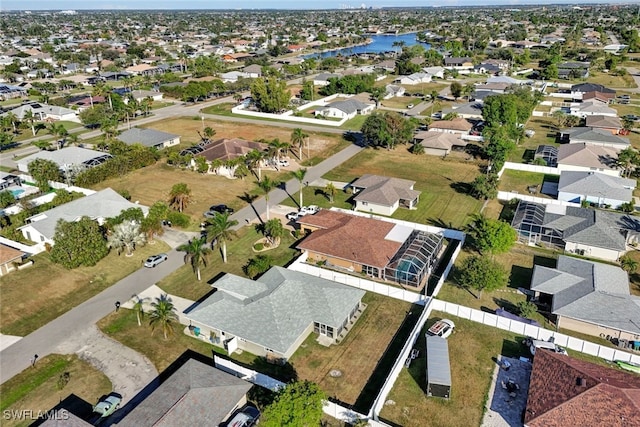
(379, 43)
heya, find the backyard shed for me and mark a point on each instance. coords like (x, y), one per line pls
(438, 368)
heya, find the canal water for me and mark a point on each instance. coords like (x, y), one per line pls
(379, 43)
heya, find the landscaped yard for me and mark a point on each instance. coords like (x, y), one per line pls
(545, 134)
(443, 182)
(38, 388)
(36, 295)
(520, 181)
(183, 282)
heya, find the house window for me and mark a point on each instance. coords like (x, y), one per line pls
(370, 271)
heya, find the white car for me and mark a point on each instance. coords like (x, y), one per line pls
(442, 328)
(154, 260)
(410, 106)
(309, 210)
(283, 163)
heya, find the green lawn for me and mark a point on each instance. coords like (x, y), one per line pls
(545, 134)
(183, 282)
(443, 182)
(519, 181)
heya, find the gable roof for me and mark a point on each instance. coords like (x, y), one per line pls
(349, 106)
(146, 137)
(591, 87)
(37, 108)
(383, 190)
(65, 157)
(587, 155)
(8, 254)
(103, 204)
(599, 121)
(458, 123)
(594, 106)
(362, 240)
(230, 148)
(439, 140)
(596, 184)
(194, 393)
(261, 311)
(603, 397)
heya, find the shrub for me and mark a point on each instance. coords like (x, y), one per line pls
(527, 309)
(125, 194)
(258, 246)
(179, 219)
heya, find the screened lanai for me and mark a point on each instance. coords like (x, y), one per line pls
(528, 221)
(416, 258)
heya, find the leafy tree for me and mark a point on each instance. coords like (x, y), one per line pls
(6, 199)
(270, 95)
(387, 129)
(298, 404)
(258, 265)
(220, 229)
(163, 314)
(196, 254)
(485, 187)
(481, 273)
(180, 196)
(43, 171)
(628, 264)
(417, 149)
(78, 243)
(456, 90)
(126, 235)
(491, 235)
(307, 91)
(266, 185)
(299, 175)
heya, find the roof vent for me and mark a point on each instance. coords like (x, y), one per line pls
(581, 382)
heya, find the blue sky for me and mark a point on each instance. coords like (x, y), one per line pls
(246, 4)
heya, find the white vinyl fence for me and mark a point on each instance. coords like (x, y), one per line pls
(536, 332)
(529, 168)
(510, 195)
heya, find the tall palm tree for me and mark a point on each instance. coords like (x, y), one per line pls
(59, 132)
(180, 196)
(254, 161)
(279, 147)
(196, 254)
(138, 308)
(30, 119)
(299, 175)
(273, 231)
(331, 191)
(266, 185)
(297, 139)
(163, 314)
(220, 229)
(126, 235)
(209, 132)
(12, 119)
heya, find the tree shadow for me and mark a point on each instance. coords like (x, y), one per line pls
(321, 192)
(461, 187)
(439, 222)
(506, 305)
(528, 155)
(71, 404)
(514, 348)
(545, 261)
(283, 186)
(520, 277)
(250, 198)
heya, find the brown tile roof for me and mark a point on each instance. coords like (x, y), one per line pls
(607, 397)
(8, 254)
(353, 238)
(228, 149)
(599, 121)
(456, 124)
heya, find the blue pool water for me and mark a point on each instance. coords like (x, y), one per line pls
(17, 192)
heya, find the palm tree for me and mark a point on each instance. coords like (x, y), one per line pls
(209, 133)
(196, 254)
(138, 308)
(417, 148)
(266, 185)
(280, 147)
(163, 314)
(254, 160)
(331, 191)
(180, 196)
(628, 264)
(273, 231)
(220, 229)
(12, 119)
(299, 175)
(59, 132)
(126, 235)
(297, 139)
(29, 118)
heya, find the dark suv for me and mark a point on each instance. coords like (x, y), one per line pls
(218, 209)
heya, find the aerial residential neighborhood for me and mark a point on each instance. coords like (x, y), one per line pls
(387, 215)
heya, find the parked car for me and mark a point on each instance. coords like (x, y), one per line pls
(442, 328)
(632, 117)
(154, 260)
(283, 163)
(410, 106)
(293, 216)
(549, 345)
(247, 416)
(310, 210)
(218, 209)
(624, 97)
(108, 405)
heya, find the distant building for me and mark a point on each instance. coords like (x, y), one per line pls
(149, 138)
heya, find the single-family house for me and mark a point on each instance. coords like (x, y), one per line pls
(254, 71)
(392, 91)
(140, 95)
(322, 79)
(615, 49)
(487, 68)
(565, 391)
(44, 112)
(383, 195)
(414, 79)
(272, 315)
(143, 70)
(345, 109)
(593, 136)
(496, 88)
(222, 151)
(99, 206)
(573, 70)
(592, 107)
(458, 63)
(436, 71)
(67, 158)
(10, 92)
(374, 247)
(590, 232)
(611, 124)
(583, 91)
(438, 143)
(149, 138)
(194, 393)
(468, 110)
(588, 297)
(387, 65)
(234, 76)
(8, 256)
(508, 80)
(9, 180)
(457, 125)
(595, 188)
(588, 157)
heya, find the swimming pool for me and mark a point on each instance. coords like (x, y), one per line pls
(17, 192)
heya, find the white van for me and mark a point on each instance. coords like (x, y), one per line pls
(535, 344)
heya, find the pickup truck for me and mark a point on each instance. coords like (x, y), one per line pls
(442, 328)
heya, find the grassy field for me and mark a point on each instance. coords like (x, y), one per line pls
(611, 81)
(545, 134)
(356, 356)
(36, 295)
(183, 283)
(520, 181)
(37, 389)
(443, 183)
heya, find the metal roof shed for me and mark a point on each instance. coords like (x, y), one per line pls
(438, 368)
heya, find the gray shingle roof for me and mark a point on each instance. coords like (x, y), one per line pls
(146, 137)
(103, 204)
(589, 135)
(64, 157)
(276, 309)
(596, 184)
(349, 106)
(589, 291)
(383, 190)
(591, 87)
(194, 393)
